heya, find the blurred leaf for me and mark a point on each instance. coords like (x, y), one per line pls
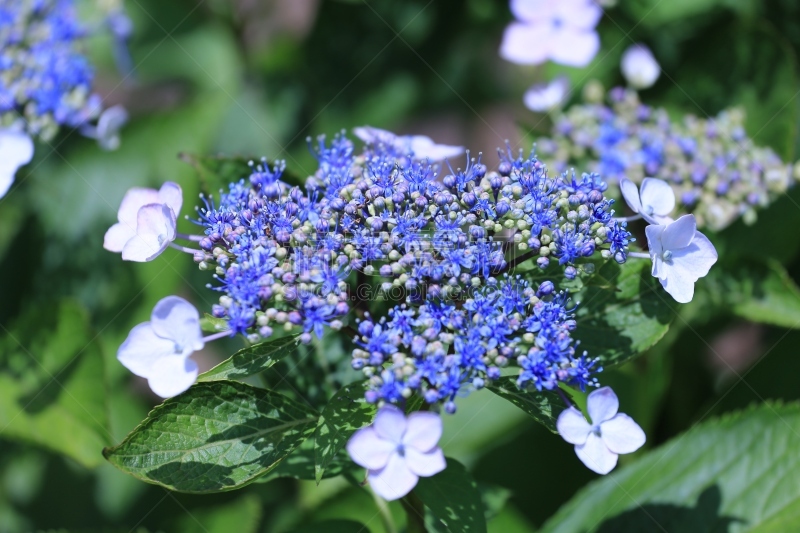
(52, 384)
(244, 511)
(253, 359)
(655, 13)
(214, 437)
(150, 145)
(216, 172)
(737, 473)
(333, 526)
(759, 293)
(345, 413)
(453, 498)
(622, 311)
(494, 499)
(542, 406)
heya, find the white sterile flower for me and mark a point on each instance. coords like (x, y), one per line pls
(654, 202)
(397, 451)
(610, 434)
(159, 350)
(16, 150)
(423, 147)
(147, 220)
(544, 97)
(561, 31)
(640, 67)
(681, 255)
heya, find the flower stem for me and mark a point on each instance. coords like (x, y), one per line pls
(385, 513)
(628, 219)
(216, 336)
(415, 511)
(184, 248)
(193, 238)
(639, 255)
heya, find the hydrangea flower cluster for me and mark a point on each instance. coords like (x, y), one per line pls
(717, 172)
(442, 245)
(45, 80)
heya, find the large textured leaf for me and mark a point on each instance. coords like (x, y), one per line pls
(216, 436)
(300, 465)
(542, 406)
(252, 360)
(52, 383)
(622, 311)
(454, 499)
(346, 413)
(737, 474)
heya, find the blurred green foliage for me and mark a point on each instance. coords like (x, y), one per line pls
(256, 78)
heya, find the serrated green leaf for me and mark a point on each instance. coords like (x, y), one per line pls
(735, 474)
(346, 413)
(300, 465)
(214, 437)
(622, 311)
(252, 360)
(52, 383)
(454, 499)
(542, 406)
(216, 172)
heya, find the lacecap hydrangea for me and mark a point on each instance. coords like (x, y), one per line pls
(440, 246)
(717, 172)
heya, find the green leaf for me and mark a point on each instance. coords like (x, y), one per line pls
(211, 324)
(52, 383)
(333, 526)
(216, 172)
(346, 413)
(300, 465)
(252, 360)
(214, 437)
(622, 311)
(762, 293)
(542, 406)
(453, 498)
(245, 512)
(654, 13)
(736, 474)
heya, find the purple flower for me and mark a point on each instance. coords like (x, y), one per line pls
(159, 350)
(397, 450)
(599, 444)
(560, 31)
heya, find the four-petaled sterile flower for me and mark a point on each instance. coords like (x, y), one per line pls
(159, 350)
(397, 451)
(560, 31)
(544, 97)
(681, 255)
(640, 67)
(16, 149)
(420, 146)
(610, 433)
(147, 220)
(654, 202)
